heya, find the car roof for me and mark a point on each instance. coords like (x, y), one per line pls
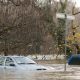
(12, 56)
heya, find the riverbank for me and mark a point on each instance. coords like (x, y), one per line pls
(55, 61)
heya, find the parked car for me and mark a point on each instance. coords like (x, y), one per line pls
(21, 63)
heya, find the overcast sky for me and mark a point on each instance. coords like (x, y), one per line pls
(77, 2)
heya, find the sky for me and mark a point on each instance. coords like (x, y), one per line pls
(77, 3)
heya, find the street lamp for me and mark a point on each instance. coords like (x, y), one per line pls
(66, 17)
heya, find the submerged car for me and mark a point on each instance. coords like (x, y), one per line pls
(74, 60)
(21, 63)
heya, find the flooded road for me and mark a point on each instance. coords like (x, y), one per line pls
(72, 73)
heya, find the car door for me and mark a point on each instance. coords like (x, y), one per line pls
(10, 64)
(2, 59)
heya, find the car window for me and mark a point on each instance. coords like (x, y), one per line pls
(9, 61)
(2, 61)
(23, 60)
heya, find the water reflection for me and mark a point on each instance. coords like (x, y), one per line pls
(72, 73)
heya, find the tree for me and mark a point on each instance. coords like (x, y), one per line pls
(19, 26)
(61, 26)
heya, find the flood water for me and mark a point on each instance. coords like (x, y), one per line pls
(72, 73)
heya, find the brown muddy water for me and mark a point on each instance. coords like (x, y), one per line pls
(72, 73)
(41, 76)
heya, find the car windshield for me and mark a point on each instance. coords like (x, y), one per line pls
(23, 60)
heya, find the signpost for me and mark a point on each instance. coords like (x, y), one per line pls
(66, 17)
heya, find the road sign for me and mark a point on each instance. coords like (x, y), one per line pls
(62, 16)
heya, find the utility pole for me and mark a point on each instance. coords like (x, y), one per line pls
(66, 17)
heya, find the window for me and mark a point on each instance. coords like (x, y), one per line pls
(9, 61)
(2, 61)
(23, 60)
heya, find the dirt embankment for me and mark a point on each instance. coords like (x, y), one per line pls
(56, 61)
